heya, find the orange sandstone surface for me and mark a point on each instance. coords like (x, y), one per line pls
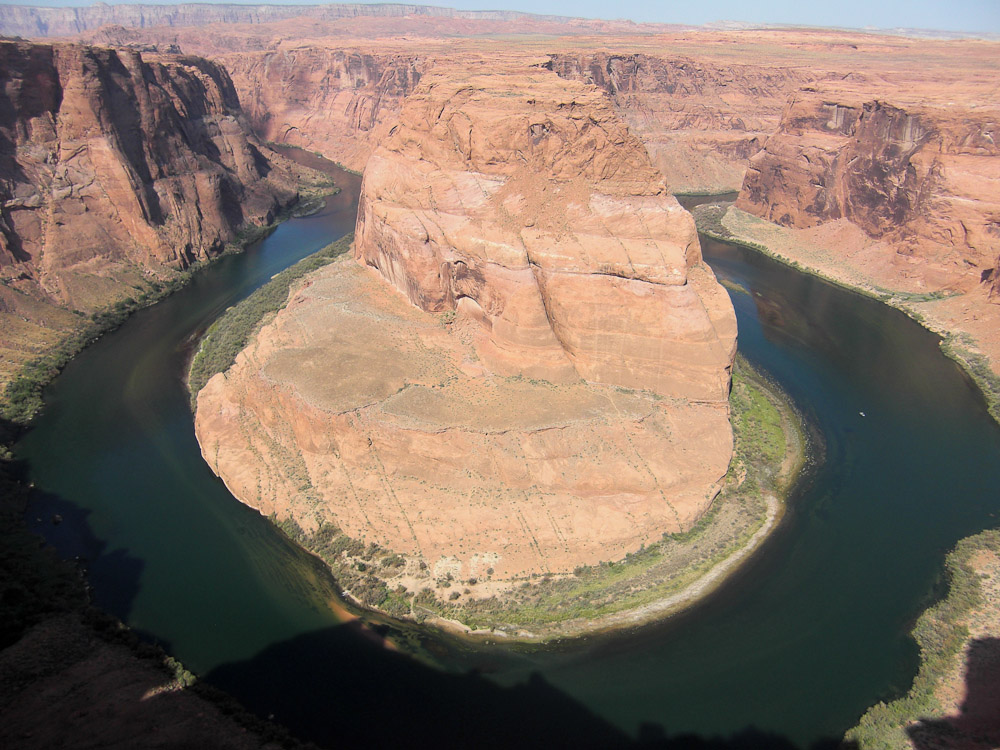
(908, 163)
(525, 367)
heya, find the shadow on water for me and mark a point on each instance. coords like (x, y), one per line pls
(344, 686)
(65, 526)
(977, 725)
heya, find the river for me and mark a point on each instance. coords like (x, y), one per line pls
(797, 644)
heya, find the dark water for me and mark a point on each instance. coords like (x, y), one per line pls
(805, 637)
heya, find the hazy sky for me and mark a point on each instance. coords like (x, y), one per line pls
(956, 15)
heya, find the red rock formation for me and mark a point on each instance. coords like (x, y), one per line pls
(112, 165)
(40, 22)
(920, 172)
(340, 103)
(524, 201)
(700, 120)
(549, 389)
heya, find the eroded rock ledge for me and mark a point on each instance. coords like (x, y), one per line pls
(547, 390)
(915, 168)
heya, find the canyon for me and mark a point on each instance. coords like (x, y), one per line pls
(895, 195)
(916, 167)
(517, 189)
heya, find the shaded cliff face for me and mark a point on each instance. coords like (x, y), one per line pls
(547, 390)
(340, 103)
(112, 166)
(699, 120)
(922, 175)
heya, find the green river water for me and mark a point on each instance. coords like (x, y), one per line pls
(796, 645)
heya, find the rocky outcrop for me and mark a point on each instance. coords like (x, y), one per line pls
(337, 102)
(549, 387)
(992, 278)
(524, 201)
(113, 167)
(921, 173)
(700, 120)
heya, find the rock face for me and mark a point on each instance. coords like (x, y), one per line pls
(340, 103)
(524, 201)
(112, 166)
(921, 172)
(548, 389)
(700, 120)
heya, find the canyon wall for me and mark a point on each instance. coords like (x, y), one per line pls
(116, 170)
(539, 211)
(338, 102)
(524, 369)
(919, 172)
(700, 120)
(112, 166)
(30, 21)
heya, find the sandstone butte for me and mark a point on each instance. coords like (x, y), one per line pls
(115, 171)
(523, 369)
(701, 102)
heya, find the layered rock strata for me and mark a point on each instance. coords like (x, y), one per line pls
(339, 103)
(109, 162)
(918, 170)
(700, 120)
(547, 389)
(115, 171)
(40, 22)
(523, 201)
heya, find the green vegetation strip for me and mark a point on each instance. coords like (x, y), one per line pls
(22, 398)
(228, 335)
(545, 604)
(942, 635)
(978, 368)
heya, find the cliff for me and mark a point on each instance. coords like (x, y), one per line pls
(547, 389)
(526, 201)
(40, 22)
(918, 170)
(700, 119)
(340, 103)
(115, 171)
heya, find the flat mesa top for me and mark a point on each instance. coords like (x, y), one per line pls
(351, 343)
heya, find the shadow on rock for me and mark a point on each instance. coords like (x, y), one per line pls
(653, 737)
(64, 525)
(341, 687)
(977, 726)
